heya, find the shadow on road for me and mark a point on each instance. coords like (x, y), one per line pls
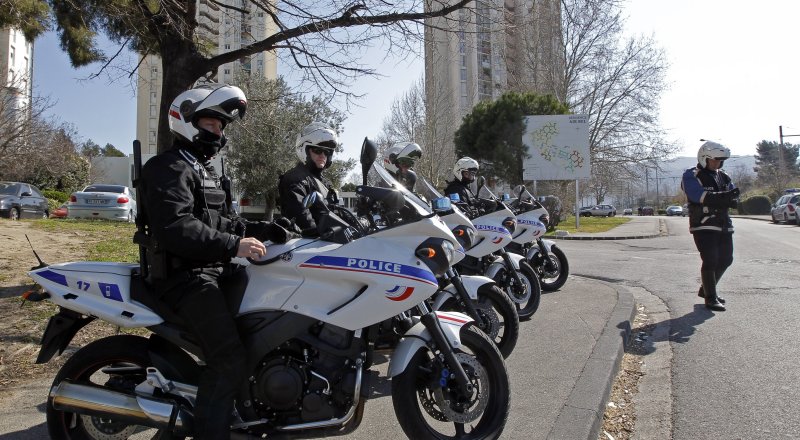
(34, 433)
(12, 291)
(680, 330)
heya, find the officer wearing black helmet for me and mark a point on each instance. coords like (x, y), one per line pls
(195, 238)
(711, 193)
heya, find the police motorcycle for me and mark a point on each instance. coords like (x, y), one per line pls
(546, 258)
(306, 315)
(476, 296)
(494, 224)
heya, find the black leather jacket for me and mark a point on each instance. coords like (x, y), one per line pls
(293, 186)
(186, 211)
(463, 191)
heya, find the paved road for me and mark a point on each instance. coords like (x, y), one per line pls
(734, 375)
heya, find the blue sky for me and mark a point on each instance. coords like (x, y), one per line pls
(733, 78)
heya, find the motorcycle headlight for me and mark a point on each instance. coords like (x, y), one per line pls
(436, 253)
(465, 236)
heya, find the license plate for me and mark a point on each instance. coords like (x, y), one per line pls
(96, 201)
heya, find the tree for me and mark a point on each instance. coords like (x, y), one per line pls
(21, 118)
(264, 139)
(90, 149)
(492, 132)
(776, 164)
(413, 118)
(111, 151)
(29, 16)
(323, 39)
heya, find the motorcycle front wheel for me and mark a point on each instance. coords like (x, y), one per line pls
(556, 276)
(428, 406)
(530, 282)
(499, 316)
(117, 363)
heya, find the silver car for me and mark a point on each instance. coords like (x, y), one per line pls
(110, 202)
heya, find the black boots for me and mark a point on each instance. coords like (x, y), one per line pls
(709, 279)
(702, 294)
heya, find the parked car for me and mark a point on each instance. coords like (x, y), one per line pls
(110, 202)
(674, 210)
(252, 208)
(785, 208)
(585, 210)
(627, 211)
(60, 212)
(21, 200)
(600, 211)
(648, 210)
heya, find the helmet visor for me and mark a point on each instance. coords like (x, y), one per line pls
(321, 150)
(405, 161)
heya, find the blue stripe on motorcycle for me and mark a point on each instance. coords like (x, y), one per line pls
(371, 266)
(53, 276)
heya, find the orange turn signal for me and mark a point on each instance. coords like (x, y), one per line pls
(426, 252)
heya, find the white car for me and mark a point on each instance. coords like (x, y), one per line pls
(110, 202)
(785, 208)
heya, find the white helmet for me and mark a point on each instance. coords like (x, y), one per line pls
(316, 134)
(401, 151)
(712, 150)
(220, 101)
(466, 163)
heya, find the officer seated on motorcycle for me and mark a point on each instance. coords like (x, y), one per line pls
(399, 161)
(194, 235)
(314, 147)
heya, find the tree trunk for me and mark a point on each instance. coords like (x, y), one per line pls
(181, 66)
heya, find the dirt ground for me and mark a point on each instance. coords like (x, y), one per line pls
(22, 326)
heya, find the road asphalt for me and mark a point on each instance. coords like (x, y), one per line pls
(581, 411)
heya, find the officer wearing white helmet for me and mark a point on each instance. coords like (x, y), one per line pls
(399, 160)
(314, 147)
(711, 193)
(192, 239)
(464, 172)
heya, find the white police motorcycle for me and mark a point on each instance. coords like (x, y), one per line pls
(306, 316)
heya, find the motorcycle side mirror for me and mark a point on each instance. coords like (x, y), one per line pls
(369, 151)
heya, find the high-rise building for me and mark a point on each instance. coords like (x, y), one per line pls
(477, 54)
(221, 28)
(16, 69)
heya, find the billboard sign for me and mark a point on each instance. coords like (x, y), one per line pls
(558, 146)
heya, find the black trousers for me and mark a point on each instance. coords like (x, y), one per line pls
(195, 296)
(716, 250)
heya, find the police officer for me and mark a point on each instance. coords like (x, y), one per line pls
(314, 147)
(399, 160)
(195, 238)
(711, 193)
(464, 171)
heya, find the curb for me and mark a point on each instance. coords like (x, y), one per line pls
(581, 417)
(589, 237)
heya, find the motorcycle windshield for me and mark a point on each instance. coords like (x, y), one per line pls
(378, 176)
(486, 194)
(522, 194)
(427, 190)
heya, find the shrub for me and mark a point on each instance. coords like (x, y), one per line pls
(58, 196)
(756, 205)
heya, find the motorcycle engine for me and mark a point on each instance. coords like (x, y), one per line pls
(300, 384)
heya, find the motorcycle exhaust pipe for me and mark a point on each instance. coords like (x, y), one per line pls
(138, 410)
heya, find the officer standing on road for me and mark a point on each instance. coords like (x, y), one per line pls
(711, 193)
(314, 147)
(194, 237)
(464, 172)
(399, 161)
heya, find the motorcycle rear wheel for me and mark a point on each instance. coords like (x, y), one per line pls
(426, 410)
(553, 280)
(499, 314)
(94, 364)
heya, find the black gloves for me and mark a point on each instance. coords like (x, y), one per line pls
(722, 199)
(270, 231)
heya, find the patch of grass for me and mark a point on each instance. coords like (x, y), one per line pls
(106, 240)
(591, 224)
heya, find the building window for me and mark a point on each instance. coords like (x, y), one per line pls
(227, 47)
(153, 111)
(260, 63)
(153, 97)
(152, 136)
(11, 55)
(153, 123)
(227, 71)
